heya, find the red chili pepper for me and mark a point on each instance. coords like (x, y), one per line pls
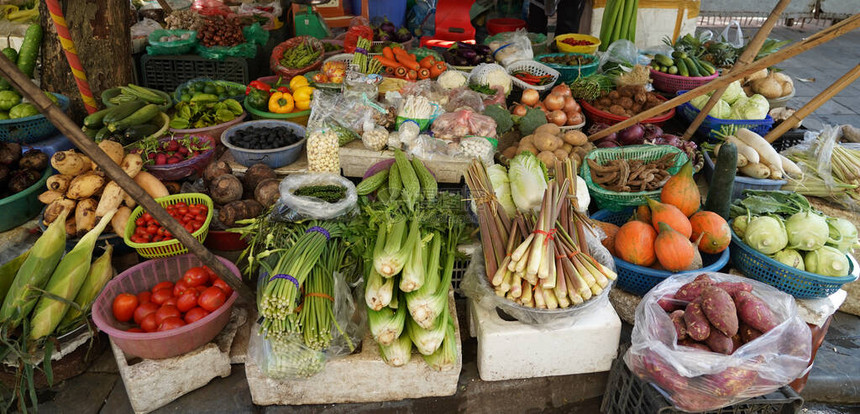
(257, 85)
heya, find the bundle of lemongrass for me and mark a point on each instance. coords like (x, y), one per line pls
(542, 260)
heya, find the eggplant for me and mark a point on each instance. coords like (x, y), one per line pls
(388, 27)
(460, 61)
(483, 49)
(402, 35)
(469, 54)
(382, 35)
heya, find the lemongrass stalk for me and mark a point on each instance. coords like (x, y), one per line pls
(505, 286)
(499, 292)
(561, 285)
(526, 296)
(550, 299)
(576, 280)
(540, 302)
(522, 248)
(534, 260)
(598, 275)
(517, 285)
(503, 270)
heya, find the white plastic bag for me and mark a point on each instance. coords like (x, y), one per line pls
(734, 38)
(621, 52)
(143, 28)
(511, 47)
(294, 207)
(696, 380)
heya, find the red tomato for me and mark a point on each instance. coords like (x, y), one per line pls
(201, 288)
(212, 275)
(170, 301)
(149, 323)
(188, 300)
(220, 284)
(212, 298)
(196, 276)
(165, 312)
(146, 217)
(194, 210)
(136, 330)
(143, 310)
(180, 287)
(140, 222)
(144, 296)
(123, 306)
(171, 323)
(161, 295)
(162, 285)
(180, 205)
(195, 314)
(189, 228)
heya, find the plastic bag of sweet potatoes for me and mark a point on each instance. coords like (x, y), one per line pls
(710, 340)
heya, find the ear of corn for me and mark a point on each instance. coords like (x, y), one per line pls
(8, 272)
(100, 273)
(65, 282)
(34, 272)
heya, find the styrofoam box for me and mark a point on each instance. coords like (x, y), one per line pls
(513, 350)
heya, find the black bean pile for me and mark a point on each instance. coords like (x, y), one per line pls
(264, 138)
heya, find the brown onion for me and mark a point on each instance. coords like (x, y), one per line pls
(562, 90)
(554, 102)
(530, 97)
(570, 106)
(519, 110)
(557, 117)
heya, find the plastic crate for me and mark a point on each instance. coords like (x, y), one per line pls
(628, 394)
(743, 183)
(571, 73)
(165, 73)
(669, 83)
(710, 126)
(172, 247)
(639, 279)
(32, 128)
(616, 201)
(795, 282)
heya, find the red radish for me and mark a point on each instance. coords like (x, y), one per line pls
(160, 159)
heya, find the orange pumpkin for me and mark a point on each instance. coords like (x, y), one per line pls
(671, 215)
(610, 230)
(681, 191)
(674, 251)
(714, 232)
(643, 213)
(634, 243)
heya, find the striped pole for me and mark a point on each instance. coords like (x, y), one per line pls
(72, 55)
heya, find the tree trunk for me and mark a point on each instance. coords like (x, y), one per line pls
(100, 30)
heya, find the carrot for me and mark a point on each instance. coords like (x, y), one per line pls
(400, 72)
(398, 52)
(406, 59)
(386, 61)
(412, 74)
(387, 52)
(389, 70)
(437, 69)
(423, 73)
(427, 62)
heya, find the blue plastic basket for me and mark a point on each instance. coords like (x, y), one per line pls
(796, 282)
(743, 183)
(570, 73)
(640, 279)
(710, 126)
(274, 158)
(32, 128)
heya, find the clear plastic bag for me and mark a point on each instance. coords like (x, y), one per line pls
(359, 85)
(478, 147)
(511, 47)
(455, 125)
(375, 138)
(499, 98)
(293, 208)
(476, 287)
(144, 27)
(426, 147)
(696, 380)
(464, 98)
(268, 11)
(349, 112)
(734, 38)
(407, 133)
(621, 52)
(819, 145)
(171, 42)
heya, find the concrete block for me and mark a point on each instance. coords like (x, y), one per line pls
(514, 350)
(359, 378)
(816, 311)
(151, 384)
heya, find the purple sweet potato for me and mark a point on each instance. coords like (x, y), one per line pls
(721, 312)
(734, 287)
(731, 381)
(719, 342)
(693, 344)
(658, 371)
(692, 290)
(680, 326)
(669, 303)
(737, 342)
(748, 333)
(698, 327)
(754, 312)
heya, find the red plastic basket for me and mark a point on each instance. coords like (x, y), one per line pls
(602, 117)
(669, 83)
(159, 345)
(278, 53)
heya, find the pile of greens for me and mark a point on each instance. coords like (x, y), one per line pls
(203, 114)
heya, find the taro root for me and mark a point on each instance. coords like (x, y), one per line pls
(10, 153)
(35, 160)
(256, 174)
(225, 189)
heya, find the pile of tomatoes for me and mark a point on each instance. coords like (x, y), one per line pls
(148, 230)
(169, 306)
(577, 42)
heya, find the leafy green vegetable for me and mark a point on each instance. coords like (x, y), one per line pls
(503, 119)
(531, 120)
(759, 202)
(199, 114)
(528, 181)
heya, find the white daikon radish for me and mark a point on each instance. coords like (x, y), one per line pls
(756, 170)
(764, 149)
(790, 167)
(743, 149)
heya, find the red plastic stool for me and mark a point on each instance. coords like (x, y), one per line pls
(452, 24)
(504, 24)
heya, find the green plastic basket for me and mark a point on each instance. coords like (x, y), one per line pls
(300, 117)
(615, 201)
(172, 247)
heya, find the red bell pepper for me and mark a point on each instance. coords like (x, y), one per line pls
(257, 85)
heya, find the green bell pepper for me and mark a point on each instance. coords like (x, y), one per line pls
(258, 99)
(8, 99)
(22, 111)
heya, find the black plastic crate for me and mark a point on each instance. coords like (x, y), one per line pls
(166, 72)
(789, 139)
(628, 394)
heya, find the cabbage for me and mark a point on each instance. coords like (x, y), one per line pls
(827, 261)
(789, 257)
(766, 234)
(753, 108)
(502, 188)
(806, 231)
(720, 110)
(843, 234)
(528, 181)
(739, 225)
(733, 92)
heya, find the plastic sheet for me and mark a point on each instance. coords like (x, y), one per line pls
(819, 145)
(696, 380)
(476, 287)
(293, 208)
(453, 126)
(620, 53)
(511, 47)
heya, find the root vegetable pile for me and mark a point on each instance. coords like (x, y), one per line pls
(221, 31)
(625, 175)
(626, 100)
(19, 172)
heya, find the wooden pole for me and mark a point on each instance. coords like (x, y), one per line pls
(165, 7)
(32, 92)
(813, 104)
(790, 51)
(744, 59)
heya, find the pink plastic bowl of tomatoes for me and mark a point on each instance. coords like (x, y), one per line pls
(165, 307)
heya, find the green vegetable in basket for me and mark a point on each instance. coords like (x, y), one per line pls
(843, 234)
(8, 99)
(789, 257)
(827, 261)
(234, 106)
(4, 115)
(204, 97)
(766, 234)
(22, 111)
(257, 99)
(807, 231)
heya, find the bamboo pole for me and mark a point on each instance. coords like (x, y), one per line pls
(813, 104)
(32, 92)
(744, 59)
(790, 51)
(165, 7)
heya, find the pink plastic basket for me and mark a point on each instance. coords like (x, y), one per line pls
(159, 345)
(669, 83)
(180, 170)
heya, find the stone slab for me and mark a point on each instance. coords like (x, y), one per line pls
(361, 377)
(151, 384)
(515, 350)
(834, 376)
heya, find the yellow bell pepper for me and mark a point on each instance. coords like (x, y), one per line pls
(281, 103)
(298, 81)
(303, 105)
(303, 93)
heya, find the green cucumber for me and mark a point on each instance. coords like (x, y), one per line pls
(95, 120)
(679, 55)
(701, 69)
(673, 70)
(708, 66)
(136, 133)
(682, 68)
(90, 132)
(722, 182)
(29, 50)
(694, 72)
(123, 111)
(140, 116)
(102, 134)
(663, 60)
(12, 55)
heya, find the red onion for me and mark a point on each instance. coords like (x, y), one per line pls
(652, 132)
(631, 135)
(607, 143)
(595, 128)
